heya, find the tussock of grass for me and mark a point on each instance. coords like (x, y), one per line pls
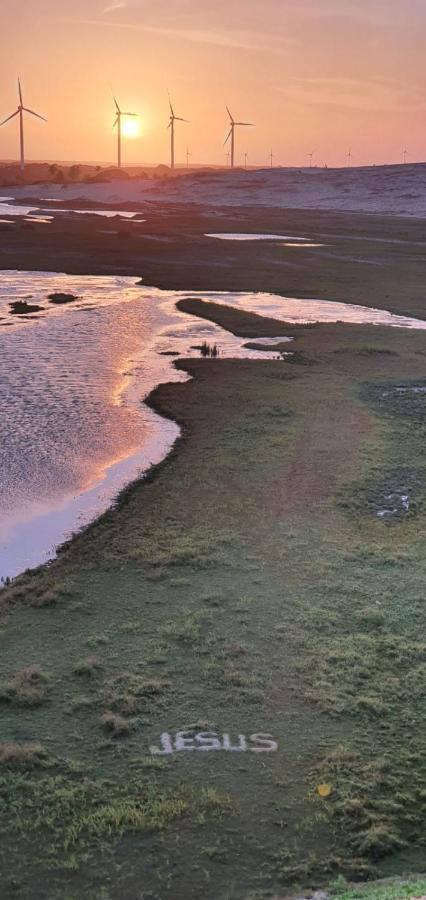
(22, 756)
(88, 668)
(118, 726)
(128, 694)
(28, 687)
(188, 628)
(33, 592)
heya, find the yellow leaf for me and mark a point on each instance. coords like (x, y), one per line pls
(324, 790)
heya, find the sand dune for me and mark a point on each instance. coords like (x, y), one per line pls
(390, 190)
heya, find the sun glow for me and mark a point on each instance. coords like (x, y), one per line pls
(130, 128)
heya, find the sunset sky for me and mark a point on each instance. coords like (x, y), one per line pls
(321, 75)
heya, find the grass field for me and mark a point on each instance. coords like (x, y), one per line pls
(249, 586)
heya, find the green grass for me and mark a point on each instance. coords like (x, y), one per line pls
(402, 890)
(246, 586)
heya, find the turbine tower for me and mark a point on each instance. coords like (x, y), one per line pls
(171, 125)
(231, 134)
(349, 157)
(117, 123)
(20, 112)
(404, 156)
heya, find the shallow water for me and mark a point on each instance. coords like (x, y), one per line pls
(296, 311)
(14, 209)
(258, 237)
(74, 377)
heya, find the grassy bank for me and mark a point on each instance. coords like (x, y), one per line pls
(248, 587)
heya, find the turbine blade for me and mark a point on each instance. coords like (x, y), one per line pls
(20, 91)
(229, 114)
(227, 137)
(9, 118)
(130, 114)
(34, 113)
(116, 104)
(115, 123)
(178, 119)
(245, 123)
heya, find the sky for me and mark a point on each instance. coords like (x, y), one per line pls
(321, 76)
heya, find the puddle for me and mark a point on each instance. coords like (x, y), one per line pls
(301, 246)
(42, 220)
(257, 237)
(399, 503)
(38, 213)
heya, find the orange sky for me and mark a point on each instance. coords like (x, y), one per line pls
(322, 75)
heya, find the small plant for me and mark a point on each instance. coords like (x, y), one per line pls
(28, 687)
(210, 350)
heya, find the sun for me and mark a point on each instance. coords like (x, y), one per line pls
(130, 128)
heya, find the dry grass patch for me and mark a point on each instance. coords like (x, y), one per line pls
(88, 668)
(28, 687)
(128, 694)
(117, 725)
(22, 756)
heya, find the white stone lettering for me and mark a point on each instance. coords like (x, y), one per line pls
(207, 740)
(166, 746)
(184, 740)
(241, 747)
(264, 743)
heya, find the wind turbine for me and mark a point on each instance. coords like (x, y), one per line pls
(404, 156)
(20, 112)
(171, 125)
(117, 123)
(188, 154)
(349, 157)
(272, 157)
(311, 156)
(245, 160)
(231, 134)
